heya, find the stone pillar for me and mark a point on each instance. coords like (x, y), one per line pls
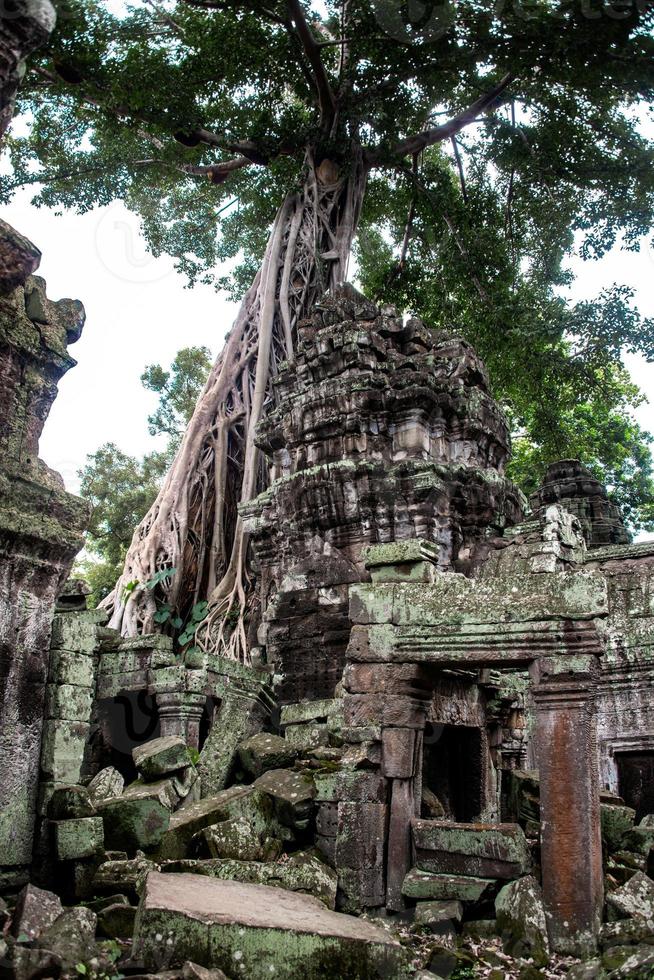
(571, 846)
(180, 714)
(40, 534)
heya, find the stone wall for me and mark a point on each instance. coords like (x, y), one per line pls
(40, 533)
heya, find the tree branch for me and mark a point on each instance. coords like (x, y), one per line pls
(419, 142)
(312, 51)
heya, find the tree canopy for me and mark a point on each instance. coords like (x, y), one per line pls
(492, 141)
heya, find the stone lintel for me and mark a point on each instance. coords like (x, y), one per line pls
(454, 600)
(476, 645)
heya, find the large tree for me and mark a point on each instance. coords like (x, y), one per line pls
(486, 133)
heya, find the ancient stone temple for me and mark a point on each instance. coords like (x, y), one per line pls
(447, 725)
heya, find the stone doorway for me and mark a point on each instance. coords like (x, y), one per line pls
(636, 781)
(453, 766)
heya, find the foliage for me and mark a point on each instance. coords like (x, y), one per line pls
(121, 488)
(178, 390)
(199, 113)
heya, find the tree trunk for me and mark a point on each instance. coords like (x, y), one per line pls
(193, 525)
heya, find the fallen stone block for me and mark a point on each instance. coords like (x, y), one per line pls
(240, 841)
(246, 930)
(475, 850)
(162, 790)
(440, 918)
(635, 899)
(292, 793)
(264, 751)
(229, 804)
(70, 802)
(124, 875)
(191, 971)
(28, 963)
(425, 885)
(107, 784)
(625, 932)
(71, 936)
(160, 756)
(116, 921)
(97, 904)
(521, 920)
(36, 909)
(81, 838)
(134, 824)
(637, 963)
(301, 872)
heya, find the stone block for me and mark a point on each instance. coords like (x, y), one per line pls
(265, 751)
(238, 840)
(160, 756)
(105, 785)
(424, 885)
(307, 735)
(361, 710)
(162, 790)
(68, 702)
(439, 918)
(616, 822)
(116, 921)
(292, 794)
(303, 711)
(361, 837)
(80, 838)
(71, 937)
(399, 753)
(521, 920)
(635, 899)
(238, 801)
(77, 630)
(123, 874)
(476, 850)
(134, 824)
(62, 750)
(36, 909)
(74, 668)
(245, 929)
(69, 802)
(300, 872)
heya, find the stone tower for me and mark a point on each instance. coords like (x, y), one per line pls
(383, 431)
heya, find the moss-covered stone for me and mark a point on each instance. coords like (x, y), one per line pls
(134, 824)
(424, 885)
(300, 872)
(521, 920)
(247, 929)
(69, 802)
(239, 840)
(265, 751)
(80, 838)
(160, 756)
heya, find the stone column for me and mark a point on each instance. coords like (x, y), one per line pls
(40, 534)
(180, 714)
(571, 846)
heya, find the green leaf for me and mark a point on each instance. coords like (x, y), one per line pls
(199, 611)
(177, 622)
(162, 616)
(159, 577)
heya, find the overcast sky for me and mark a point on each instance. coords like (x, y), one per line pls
(139, 312)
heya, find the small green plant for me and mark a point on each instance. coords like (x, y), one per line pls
(194, 755)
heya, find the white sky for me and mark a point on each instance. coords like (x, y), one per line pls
(139, 312)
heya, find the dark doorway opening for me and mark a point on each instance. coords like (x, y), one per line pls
(128, 720)
(636, 781)
(453, 769)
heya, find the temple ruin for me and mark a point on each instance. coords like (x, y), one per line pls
(447, 718)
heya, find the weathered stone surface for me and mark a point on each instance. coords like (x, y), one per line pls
(239, 840)
(238, 801)
(134, 823)
(160, 756)
(68, 802)
(423, 885)
(299, 872)
(107, 784)
(264, 751)
(27, 963)
(116, 921)
(292, 793)
(625, 932)
(438, 917)
(123, 875)
(635, 899)
(521, 920)
(246, 929)
(191, 971)
(71, 936)
(476, 850)
(36, 909)
(637, 963)
(80, 838)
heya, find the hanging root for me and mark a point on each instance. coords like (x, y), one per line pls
(193, 526)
